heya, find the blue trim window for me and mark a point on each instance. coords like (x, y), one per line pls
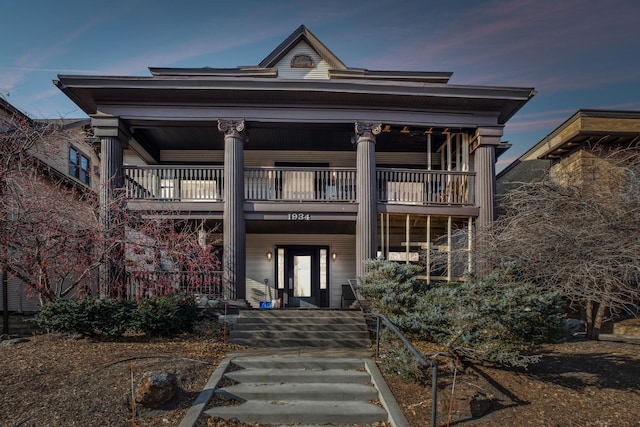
(79, 165)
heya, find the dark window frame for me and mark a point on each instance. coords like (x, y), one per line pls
(79, 165)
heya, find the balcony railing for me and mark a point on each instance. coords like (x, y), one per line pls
(410, 186)
(181, 183)
(300, 184)
(396, 186)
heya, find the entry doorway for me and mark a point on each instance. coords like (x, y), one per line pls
(303, 275)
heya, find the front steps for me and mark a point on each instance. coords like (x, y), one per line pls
(301, 328)
(288, 390)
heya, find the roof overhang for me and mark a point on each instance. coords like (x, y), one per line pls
(90, 93)
(588, 127)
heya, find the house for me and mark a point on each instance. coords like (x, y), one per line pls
(306, 165)
(43, 166)
(576, 150)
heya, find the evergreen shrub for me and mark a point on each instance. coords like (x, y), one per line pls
(493, 319)
(167, 315)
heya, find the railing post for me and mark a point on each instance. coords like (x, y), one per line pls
(377, 336)
(434, 394)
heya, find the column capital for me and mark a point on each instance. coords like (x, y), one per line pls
(367, 131)
(110, 126)
(487, 136)
(232, 128)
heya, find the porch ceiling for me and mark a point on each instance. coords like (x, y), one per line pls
(274, 136)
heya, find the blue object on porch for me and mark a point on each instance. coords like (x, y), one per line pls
(265, 304)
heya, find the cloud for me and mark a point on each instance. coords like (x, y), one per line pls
(537, 121)
(634, 105)
(547, 44)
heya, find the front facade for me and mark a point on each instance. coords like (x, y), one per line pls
(302, 167)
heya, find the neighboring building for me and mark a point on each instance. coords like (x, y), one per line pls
(307, 166)
(64, 160)
(576, 150)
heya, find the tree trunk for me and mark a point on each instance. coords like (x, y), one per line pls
(5, 301)
(595, 315)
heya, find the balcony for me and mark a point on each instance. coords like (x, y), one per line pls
(280, 184)
(174, 183)
(419, 187)
(300, 184)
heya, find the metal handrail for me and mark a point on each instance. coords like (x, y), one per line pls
(421, 360)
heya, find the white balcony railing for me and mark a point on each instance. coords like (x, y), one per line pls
(300, 184)
(201, 183)
(180, 183)
(415, 187)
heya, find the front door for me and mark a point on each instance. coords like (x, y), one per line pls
(303, 275)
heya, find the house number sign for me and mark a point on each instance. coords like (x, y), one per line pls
(298, 216)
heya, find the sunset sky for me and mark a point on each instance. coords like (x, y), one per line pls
(575, 53)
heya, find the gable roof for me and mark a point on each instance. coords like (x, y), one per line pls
(302, 34)
(408, 93)
(337, 69)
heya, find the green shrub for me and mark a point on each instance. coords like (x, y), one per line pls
(168, 315)
(67, 316)
(493, 319)
(112, 317)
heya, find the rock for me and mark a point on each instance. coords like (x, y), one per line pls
(156, 388)
(13, 341)
(479, 406)
(465, 404)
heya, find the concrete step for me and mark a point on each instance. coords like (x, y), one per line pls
(300, 390)
(301, 313)
(286, 389)
(275, 411)
(298, 322)
(317, 343)
(309, 334)
(300, 328)
(301, 376)
(305, 363)
(293, 390)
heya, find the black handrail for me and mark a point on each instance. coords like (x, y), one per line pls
(424, 363)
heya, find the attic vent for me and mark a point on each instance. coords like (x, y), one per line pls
(302, 61)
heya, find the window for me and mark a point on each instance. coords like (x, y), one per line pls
(302, 61)
(79, 165)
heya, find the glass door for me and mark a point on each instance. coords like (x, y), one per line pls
(302, 275)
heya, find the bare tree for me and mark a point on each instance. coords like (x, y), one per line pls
(577, 231)
(54, 240)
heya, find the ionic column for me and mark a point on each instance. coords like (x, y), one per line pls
(365, 139)
(114, 137)
(234, 262)
(486, 140)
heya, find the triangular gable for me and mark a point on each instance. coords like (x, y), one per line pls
(302, 34)
(302, 62)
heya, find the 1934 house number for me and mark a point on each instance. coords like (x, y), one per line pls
(298, 216)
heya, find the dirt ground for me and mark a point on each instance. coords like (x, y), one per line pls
(53, 380)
